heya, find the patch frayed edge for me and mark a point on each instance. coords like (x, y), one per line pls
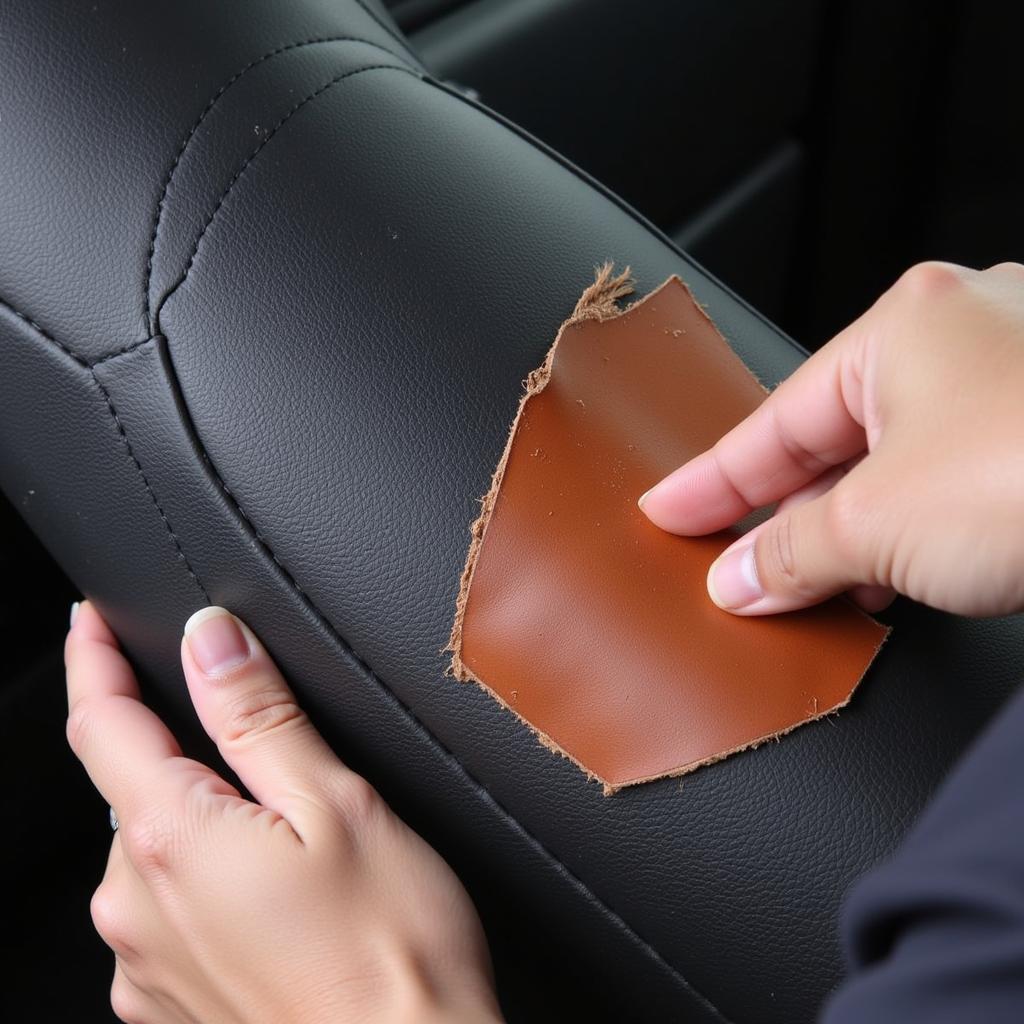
(610, 788)
(815, 716)
(597, 302)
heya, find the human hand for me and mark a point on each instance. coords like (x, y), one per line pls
(896, 453)
(310, 903)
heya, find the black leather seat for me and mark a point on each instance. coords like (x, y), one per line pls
(268, 292)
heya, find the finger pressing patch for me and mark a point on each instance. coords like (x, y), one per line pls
(585, 619)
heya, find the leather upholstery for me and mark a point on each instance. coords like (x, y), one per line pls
(287, 399)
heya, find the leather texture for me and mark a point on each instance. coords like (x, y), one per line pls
(589, 622)
(267, 293)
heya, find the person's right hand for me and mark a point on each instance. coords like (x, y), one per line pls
(896, 453)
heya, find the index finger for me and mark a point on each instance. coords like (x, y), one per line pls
(813, 421)
(117, 738)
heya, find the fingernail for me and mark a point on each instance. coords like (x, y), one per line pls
(643, 497)
(216, 641)
(732, 579)
(74, 614)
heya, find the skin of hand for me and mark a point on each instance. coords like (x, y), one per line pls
(311, 902)
(896, 454)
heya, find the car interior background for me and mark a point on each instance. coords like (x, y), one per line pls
(804, 152)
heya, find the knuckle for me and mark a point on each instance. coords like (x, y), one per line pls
(931, 279)
(149, 843)
(259, 712)
(109, 922)
(797, 453)
(359, 803)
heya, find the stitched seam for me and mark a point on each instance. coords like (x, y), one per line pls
(69, 352)
(145, 483)
(120, 429)
(158, 214)
(43, 332)
(259, 149)
(122, 351)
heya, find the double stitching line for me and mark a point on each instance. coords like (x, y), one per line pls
(255, 62)
(145, 483)
(259, 149)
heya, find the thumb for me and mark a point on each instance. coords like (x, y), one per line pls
(799, 557)
(250, 712)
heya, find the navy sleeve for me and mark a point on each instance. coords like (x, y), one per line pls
(936, 934)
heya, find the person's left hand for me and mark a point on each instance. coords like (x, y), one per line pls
(310, 903)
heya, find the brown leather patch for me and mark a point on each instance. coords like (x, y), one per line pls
(589, 622)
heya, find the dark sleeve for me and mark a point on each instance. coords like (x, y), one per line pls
(936, 934)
